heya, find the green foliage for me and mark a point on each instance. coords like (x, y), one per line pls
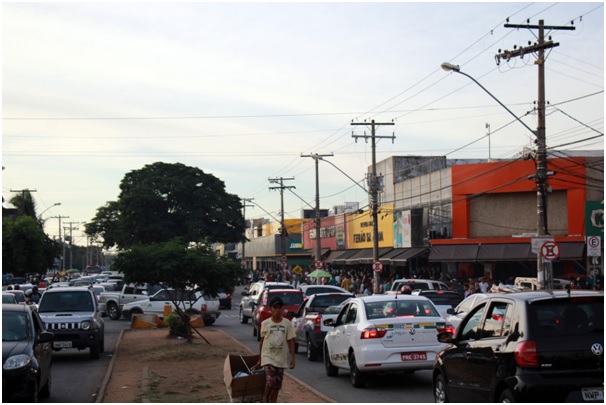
(25, 246)
(164, 201)
(178, 265)
(176, 325)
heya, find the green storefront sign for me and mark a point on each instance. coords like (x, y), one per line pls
(594, 218)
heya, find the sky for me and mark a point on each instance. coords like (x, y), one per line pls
(92, 91)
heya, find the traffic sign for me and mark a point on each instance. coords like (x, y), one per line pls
(594, 246)
(297, 269)
(550, 251)
(319, 265)
(377, 266)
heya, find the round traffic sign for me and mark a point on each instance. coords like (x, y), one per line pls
(550, 251)
(377, 266)
(593, 242)
(319, 265)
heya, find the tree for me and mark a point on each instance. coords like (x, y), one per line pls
(24, 203)
(175, 265)
(163, 201)
(26, 249)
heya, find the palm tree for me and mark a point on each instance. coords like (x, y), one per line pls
(25, 204)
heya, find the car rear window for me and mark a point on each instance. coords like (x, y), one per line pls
(319, 290)
(288, 298)
(399, 308)
(321, 302)
(413, 286)
(568, 317)
(443, 299)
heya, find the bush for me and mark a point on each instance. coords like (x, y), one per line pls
(176, 325)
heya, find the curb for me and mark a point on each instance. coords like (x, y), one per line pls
(109, 371)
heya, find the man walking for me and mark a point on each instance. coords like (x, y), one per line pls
(277, 340)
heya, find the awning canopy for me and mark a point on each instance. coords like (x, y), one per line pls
(453, 253)
(343, 256)
(504, 251)
(365, 256)
(334, 254)
(404, 255)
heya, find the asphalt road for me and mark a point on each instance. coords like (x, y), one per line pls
(392, 388)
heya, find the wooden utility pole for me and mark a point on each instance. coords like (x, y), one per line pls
(244, 205)
(317, 157)
(541, 155)
(283, 232)
(374, 189)
(62, 261)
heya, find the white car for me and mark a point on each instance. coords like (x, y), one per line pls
(311, 289)
(383, 333)
(457, 314)
(192, 301)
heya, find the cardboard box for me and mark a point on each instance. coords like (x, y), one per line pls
(246, 386)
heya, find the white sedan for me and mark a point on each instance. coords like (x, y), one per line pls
(383, 333)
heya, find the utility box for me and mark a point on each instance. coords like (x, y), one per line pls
(244, 388)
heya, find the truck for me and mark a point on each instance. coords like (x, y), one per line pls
(112, 302)
(416, 284)
(308, 321)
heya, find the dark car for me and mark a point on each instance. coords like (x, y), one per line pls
(525, 347)
(26, 355)
(224, 298)
(291, 298)
(442, 299)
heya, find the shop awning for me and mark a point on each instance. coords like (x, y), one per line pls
(453, 253)
(405, 255)
(343, 256)
(504, 252)
(366, 256)
(334, 254)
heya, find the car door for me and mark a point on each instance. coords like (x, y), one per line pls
(298, 323)
(351, 334)
(461, 376)
(335, 339)
(43, 351)
(483, 356)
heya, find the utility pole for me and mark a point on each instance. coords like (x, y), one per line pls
(283, 232)
(245, 200)
(541, 155)
(374, 192)
(62, 261)
(317, 157)
(71, 254)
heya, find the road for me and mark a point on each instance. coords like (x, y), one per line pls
(393, 388)
(76, 378)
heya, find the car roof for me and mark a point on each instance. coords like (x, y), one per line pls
(389, 297)
(285, 290)
(540, 295)
(64, 289)
(16, 307)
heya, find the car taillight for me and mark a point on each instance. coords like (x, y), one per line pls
(447, 328)
(229, 296)
(317, 323)
(203, 308)
(373, 333)
(526, 354)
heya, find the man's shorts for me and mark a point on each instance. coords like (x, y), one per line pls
(274, 376)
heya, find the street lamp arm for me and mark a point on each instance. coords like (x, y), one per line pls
(54, 205)
(449, 67)
(347, 175)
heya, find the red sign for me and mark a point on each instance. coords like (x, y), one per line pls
(550, 251)
(377, 266)
(319, 265)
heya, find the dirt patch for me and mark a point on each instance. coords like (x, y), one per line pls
(150, 366)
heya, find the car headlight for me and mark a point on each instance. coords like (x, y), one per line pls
(86, 325)
(15, 362)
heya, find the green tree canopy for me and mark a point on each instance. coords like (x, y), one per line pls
(163, 201)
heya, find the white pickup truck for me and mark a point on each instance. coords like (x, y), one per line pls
(192, 302)
(111, 302)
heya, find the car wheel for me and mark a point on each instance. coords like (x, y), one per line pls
(507, 396)
(243, 318)
(102, 345)
(312, 351)
(46, 390)
(355, 375)
(439, 389)
(95, 350)
(113, 311)
(331, 370)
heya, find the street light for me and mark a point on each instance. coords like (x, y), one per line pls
(54, 205)
(541, 173)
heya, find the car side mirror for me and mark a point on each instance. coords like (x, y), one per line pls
(329, 322)
(46, 337)
(446, 337)
(450, 311)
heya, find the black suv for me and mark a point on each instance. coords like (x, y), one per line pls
(525, 347)
(72, 315)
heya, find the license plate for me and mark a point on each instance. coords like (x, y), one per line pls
(593, 394)
(414, 356)
(62, 345)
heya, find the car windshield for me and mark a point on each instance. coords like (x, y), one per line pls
(399, 309)
(8, 299)
(413, 286)
(568, 317)
(66, 301)
(443, 299)
(14, 326)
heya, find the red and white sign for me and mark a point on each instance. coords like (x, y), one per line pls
(594, 246)
(319, 265)
(377, 266)
(550, 251)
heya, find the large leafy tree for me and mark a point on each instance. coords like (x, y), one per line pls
(163, 201)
